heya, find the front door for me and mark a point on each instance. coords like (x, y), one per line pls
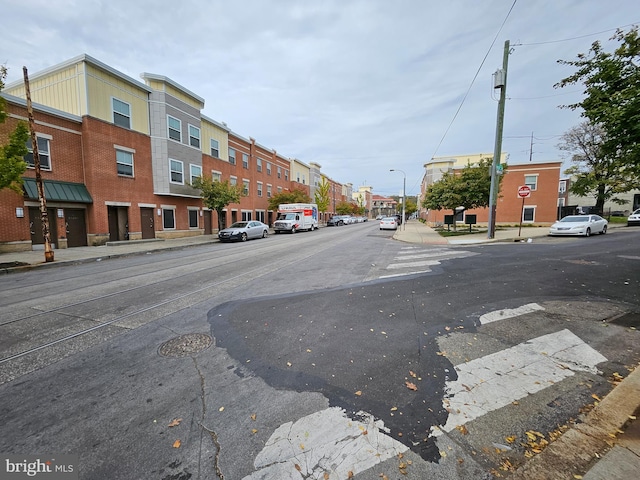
(118, 223)
(146, 220)
(207, 222)
(35, 224)
(76, 227)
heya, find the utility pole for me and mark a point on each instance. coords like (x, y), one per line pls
(48, 251)
(500, 81)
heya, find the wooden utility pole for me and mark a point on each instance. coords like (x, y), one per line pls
(48, 251)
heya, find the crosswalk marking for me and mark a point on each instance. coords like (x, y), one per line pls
(494, 381)
(509, 313)
(325, 442)
(413, 260)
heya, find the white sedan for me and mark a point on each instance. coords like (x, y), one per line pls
(388, 223)
(584, 225)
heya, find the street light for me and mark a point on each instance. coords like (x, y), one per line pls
(404, 194)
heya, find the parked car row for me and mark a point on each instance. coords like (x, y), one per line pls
(338, 220)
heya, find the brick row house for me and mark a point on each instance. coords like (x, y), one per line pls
(118, 156)
(543, 178)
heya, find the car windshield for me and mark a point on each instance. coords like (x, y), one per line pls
(575, 219)
(239, 225)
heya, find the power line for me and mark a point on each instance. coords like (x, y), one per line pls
(575, 38)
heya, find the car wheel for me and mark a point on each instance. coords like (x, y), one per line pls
(243, 237)
(604, 230)
(293, 229)
(264, 234)
(587, 233)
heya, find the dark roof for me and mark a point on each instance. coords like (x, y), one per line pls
(58, 191)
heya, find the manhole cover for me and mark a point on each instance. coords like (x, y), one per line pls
(185, 345)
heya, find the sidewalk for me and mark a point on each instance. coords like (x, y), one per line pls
(591, 450)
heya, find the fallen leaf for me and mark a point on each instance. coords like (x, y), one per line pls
(253, 416)
(254, 431)
(393, 409)
(288, 364)
(297, 467)
(176, 444)
(510, 439)
(412, 374)
(411, 386)
(326, 476)
(175, 422)
(358, 393)
(221, 409)
(593, 395)
(462, 429)
(349, 474)
(302, 446)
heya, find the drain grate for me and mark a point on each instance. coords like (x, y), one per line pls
(185, 345)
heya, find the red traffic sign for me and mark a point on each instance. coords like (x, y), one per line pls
(524, 191)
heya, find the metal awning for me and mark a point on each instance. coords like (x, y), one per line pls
(58, 191)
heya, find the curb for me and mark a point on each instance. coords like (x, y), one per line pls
(581, 447)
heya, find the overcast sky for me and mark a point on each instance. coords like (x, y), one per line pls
(358, 86)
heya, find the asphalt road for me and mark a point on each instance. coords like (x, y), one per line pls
(333, 352)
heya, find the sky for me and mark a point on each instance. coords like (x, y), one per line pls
(357, 86)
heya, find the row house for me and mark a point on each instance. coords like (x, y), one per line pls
(118, 157)
(383, 206)
(543, 178)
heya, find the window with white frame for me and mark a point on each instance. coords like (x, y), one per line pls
(176, 171)
(268, 168)
(246, 215)
(562, 186)
(215, 148)
(259, 189)
(232, 156)
(531, 181)
(279, 189)
(245, 160)
(298, 177)
(279, 172)
(304, 181)
(286, 174)
(193, 218)
(169, 218)
(121, 113)
(245, 187)
(195, 171)
(529, 214)
(43, 153)
(175, 128)
(259, 164)
(216, 176)
(260, 215)
(269, 190)
(233, 180)
(124, 162)
(194, 136)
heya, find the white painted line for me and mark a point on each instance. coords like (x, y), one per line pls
(424, 263)
(444, 253)
(324, 442)
(509, 313)
(404, 274)
(494, 381)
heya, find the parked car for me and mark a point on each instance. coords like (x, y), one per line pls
(389, 223)
(634, 218)
(579, 225)
(243, 231)
(335, 221)
(379, 217)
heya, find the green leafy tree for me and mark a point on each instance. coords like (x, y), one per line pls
(611, 101)
(411, 207)
(321, 195)
(12, 164)
(345, 208)
(469, 188)
(217, 195)
(290, 196)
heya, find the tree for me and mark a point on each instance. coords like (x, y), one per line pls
(593, 173)
(217, 195)
(291, 196)
(470, 188)
(611, 101)
(345, 208)
(321, 195)
(411, 207)
(12, 164)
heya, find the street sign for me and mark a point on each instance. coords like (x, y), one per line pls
(524, 191)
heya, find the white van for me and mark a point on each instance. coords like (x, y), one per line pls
(293, 217)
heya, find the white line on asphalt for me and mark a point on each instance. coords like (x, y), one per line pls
(325, 442)
(494, 381)
(509, 313)
(424, 263)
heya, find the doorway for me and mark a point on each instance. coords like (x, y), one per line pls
(118, 223)
(76, 227)
(206, 216)
(147, 222)
(35, 225)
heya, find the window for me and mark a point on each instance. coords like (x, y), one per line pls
(260, 215)
(215, 148)
(216, 176)
(175, 128)
(298, 177)
(43, 153)
(279, 189)
(168, 218)
(531, 181)
(245, 160)
(232, 156)
(194, 136)
(245, 186)
(193, 218)
(124, 162)
(233, 180)
(268, 168)
(562, 188)
(303, 179)
(259, 189)
(176, 170)
(121, 113)
(529, 214)
(286, 175)
(195, 172)
(259, 164)
(279, 172)
(268, 191)
(246, 216)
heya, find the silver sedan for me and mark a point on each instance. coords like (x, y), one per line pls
(584, 225)
(243, 231)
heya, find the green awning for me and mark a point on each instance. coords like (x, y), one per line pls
(58, 191)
